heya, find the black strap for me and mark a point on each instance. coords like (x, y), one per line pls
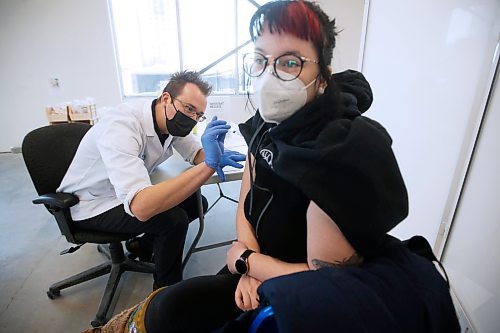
(419, 245)
(250, 166)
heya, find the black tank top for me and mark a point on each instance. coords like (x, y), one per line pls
(281, 228)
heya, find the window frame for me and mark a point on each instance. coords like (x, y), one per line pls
(233, 52)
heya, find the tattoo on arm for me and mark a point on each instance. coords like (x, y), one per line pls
(354, 260)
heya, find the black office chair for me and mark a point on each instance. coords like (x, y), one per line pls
(48, 152)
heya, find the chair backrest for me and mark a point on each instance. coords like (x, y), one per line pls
(48, 152)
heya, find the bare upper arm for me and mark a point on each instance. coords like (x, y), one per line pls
(325, 241)
(244, 230)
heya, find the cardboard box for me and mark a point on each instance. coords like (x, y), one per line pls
(56, 114)
(82, 113)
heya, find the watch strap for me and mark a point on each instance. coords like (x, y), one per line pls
(243, 260)
(246, 254)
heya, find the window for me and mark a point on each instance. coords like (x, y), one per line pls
(154, 38)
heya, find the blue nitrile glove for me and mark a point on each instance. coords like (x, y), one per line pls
(210, 141)
(229, 157)
(220, 141)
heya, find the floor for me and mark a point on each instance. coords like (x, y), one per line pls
(30, 243)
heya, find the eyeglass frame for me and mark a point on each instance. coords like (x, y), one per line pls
(269, 56)
(200, 116)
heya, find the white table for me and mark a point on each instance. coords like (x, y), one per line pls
(175, 165)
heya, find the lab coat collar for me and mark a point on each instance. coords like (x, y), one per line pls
(148, 119)
(149, 125)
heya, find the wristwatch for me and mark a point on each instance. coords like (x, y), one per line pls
(241, 263)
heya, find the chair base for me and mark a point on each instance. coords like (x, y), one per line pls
(117, 264)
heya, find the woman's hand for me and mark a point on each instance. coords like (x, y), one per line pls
(246, 296)
(233, 254)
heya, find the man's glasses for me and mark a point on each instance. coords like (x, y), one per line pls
(255, 63)
(190, 111)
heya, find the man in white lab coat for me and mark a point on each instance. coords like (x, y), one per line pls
(110, 173)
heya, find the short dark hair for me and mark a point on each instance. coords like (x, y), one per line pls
(302, 19)
(179, 79)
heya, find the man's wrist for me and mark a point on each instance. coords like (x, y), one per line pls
(212, 164)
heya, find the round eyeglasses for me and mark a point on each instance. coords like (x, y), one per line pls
(255, 63)
(189, 111)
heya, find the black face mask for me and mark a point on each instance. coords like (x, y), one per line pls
(180, 125)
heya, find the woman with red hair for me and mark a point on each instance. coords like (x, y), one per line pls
(320, 190)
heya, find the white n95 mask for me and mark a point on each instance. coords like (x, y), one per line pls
(277, 99)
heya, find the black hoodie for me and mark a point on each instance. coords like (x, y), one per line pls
(339, 159)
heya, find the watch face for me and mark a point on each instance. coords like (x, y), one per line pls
(241, 266)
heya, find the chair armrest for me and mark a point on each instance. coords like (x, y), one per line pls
(57, 200)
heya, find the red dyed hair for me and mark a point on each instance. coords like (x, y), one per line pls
(297, 19)
(302, 19)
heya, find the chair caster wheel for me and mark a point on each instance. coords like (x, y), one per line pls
(131, 256)
(52, 294)
(98, 322)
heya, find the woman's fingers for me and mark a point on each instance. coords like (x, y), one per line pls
(247, 303)
(238, 298)
(243, 300)
(255, 301)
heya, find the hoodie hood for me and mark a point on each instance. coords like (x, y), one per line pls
(355, 91)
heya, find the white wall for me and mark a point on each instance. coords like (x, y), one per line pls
(430, 65)
(428, 62)
(472, 250)
(42, 39)
(349, 19)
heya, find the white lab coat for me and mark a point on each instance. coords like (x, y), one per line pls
(115, 158)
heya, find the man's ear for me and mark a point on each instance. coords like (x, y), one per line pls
(165, 97)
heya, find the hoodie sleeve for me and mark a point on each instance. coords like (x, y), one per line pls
(352, 174)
